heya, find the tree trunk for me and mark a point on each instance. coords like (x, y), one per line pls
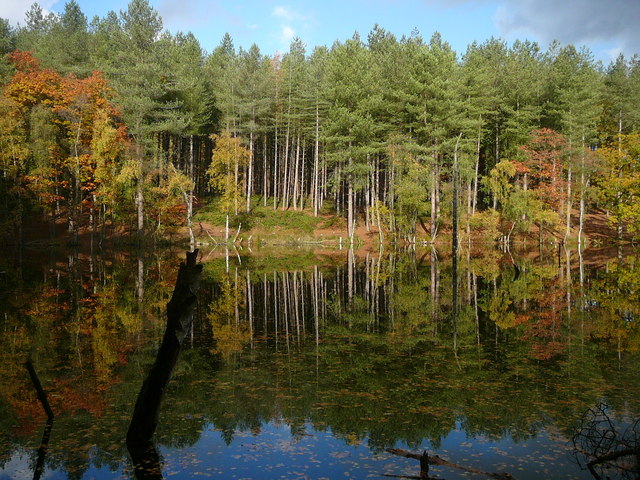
(192, 238)
(454, 236)
(140, 207)
(316, 152)
(568, 215)
(250, 172)
(350, 204)
(295, 174)
(265, 193)
(475, 175)
(302, 177)
(179, 318)
(275, 169)
(434, 201)
(285, 175)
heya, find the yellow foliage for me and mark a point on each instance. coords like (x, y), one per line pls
(225, 172)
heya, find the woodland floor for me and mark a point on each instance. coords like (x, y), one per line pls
(330, 233)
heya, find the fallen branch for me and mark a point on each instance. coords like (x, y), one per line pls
(207, 232)
(237, 233)
(439, 461)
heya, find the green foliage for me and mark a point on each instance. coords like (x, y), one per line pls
(498, 182)
(364, 126)
(264, 220)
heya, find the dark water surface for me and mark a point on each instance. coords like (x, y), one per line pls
(305, 364)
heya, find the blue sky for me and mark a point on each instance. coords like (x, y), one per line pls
(607, 27)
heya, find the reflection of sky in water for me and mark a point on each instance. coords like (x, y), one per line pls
(20, 467)
(275, 454)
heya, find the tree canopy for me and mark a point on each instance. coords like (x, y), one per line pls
(102, 114)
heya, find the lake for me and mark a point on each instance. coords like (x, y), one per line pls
(311, 364)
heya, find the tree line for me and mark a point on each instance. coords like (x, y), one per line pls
(115, 123)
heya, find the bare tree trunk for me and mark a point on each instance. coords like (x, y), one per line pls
(434, 200)
(475, 175)
(275, 170)
(454, 236)
(250, 172)
(285, 184)
(265, 193)
(140, 207)
(302, 177)
(192, 239)
(619, 193)
(295, 173)
(316, 152)
(568, 215)
(350, 204)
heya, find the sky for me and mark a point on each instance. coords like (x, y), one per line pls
(606, 27)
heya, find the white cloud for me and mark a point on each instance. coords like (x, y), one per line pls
(614, 52)
(290, 23)
(282, 12)
(286, 34)
(289, 15)
(14, 10)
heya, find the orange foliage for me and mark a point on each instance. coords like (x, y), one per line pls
(31, 84)
(77, 105)
(544, 164)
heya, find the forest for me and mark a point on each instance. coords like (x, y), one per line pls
(115, 126)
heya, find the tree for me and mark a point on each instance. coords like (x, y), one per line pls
(229, 156)
(253, 105)
(350, 129)
(14, 152)
(543, 166)
(619, 181)
(572, 86)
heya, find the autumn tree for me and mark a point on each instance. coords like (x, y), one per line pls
(619, 182)
(225, 172)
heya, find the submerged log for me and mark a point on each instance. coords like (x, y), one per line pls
(179, 318)
(426, 460)
(42, 395)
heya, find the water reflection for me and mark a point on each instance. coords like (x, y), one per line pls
(333, 358)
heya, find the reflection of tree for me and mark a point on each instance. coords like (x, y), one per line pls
(230, 334)
(381, 371)
(608, 447)
(615, 298)
(79, 319)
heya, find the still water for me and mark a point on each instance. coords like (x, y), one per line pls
(303, 364)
